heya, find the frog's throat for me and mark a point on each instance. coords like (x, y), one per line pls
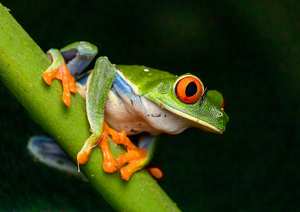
(199, 123)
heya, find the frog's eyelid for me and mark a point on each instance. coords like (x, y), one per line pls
(203, 97)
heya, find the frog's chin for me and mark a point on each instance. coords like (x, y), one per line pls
(194, 122)
(210, 128)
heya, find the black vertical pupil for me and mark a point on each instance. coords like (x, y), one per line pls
(191, 89)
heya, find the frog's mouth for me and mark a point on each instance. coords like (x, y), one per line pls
(197, 123)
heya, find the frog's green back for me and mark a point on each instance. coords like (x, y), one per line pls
(144, 78)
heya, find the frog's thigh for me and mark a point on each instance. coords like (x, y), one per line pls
(46, 151)
(78, 56)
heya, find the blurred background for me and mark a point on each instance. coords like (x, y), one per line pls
(248, 50)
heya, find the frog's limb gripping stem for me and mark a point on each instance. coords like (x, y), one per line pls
(59, 70)
(134, 156)
(109, 164)
(84, 153)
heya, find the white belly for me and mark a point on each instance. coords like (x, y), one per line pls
(121, 117)
(149, 118)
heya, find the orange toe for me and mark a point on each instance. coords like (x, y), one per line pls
(155, 172)
(68, 81)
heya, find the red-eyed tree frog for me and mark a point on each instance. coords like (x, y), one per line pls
(124, 100)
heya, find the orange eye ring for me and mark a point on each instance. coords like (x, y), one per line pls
(189, 89)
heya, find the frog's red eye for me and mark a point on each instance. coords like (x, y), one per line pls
(189, 89)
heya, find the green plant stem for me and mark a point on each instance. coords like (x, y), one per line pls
(22, 64)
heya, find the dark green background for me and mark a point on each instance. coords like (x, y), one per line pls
(248, 50)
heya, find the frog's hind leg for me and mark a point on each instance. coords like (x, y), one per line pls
(137, 157)
(100, 84)
(45, 150)
(77, 56)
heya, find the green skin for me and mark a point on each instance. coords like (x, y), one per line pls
(154, 85)
(158, 86)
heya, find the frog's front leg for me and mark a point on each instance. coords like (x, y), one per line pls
(99, 84)
(77, 55)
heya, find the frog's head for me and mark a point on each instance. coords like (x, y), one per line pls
(187, 97)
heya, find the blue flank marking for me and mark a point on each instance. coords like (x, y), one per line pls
(124, 89)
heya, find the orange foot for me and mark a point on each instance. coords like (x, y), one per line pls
(135, 157)
(62, 73)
